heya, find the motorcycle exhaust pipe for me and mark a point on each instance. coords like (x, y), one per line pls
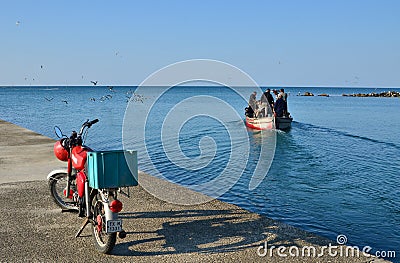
(87, 197)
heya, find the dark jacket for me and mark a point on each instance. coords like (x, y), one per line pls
(279, 107)
(267, 97)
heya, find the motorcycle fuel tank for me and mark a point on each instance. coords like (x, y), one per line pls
(79, 156)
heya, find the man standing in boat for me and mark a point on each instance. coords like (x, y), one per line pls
(252, 105)
(279, 106)
(284, 97)
(269, 97)
(266, 97)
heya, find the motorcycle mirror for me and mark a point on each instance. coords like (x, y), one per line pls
(58, 132)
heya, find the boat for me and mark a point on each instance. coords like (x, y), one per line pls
(264, 119)
(269, 123)
(266, 123)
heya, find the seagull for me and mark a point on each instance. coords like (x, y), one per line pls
(137, 97)
(49, 99)
(107, 97)
(66, 102)
(94, 82)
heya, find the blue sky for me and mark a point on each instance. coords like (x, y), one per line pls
(283, 43)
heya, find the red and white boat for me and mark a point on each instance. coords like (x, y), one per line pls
(264, 119)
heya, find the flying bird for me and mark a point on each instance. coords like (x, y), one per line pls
(106, 97)
(49, 99)
(94, 82)
(138, 97)
(92, 99)
(66, 102)
(17, 23)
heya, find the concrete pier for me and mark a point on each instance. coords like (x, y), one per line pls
(33, 229)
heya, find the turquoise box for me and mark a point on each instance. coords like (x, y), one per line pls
(112, 169)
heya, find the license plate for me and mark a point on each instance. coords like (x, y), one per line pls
(114, 226)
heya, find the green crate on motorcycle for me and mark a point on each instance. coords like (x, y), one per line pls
(112, 169)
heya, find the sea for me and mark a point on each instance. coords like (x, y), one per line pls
(335, 172)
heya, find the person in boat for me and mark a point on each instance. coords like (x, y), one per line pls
(267, 99)
(279, 106)
(270, 99)
(252, 105)
(284, 97)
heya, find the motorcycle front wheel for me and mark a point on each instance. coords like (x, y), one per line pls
(104, 242)
(57, 184)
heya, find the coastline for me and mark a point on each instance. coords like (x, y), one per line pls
(157, 231)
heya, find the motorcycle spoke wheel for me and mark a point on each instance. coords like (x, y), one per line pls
(104, 242)
(57, 186)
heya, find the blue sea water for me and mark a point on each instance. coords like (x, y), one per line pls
(335, 172)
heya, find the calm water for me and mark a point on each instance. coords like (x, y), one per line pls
(335, 172)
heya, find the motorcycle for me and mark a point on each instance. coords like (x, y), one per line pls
(72, 191)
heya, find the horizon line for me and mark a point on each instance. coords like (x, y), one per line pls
(238, 86)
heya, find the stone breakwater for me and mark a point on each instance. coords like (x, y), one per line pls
(388, 94)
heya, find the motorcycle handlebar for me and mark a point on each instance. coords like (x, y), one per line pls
(94, 121)
(87, 124)
(76, 138)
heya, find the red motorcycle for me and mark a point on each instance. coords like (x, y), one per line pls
(89, 190)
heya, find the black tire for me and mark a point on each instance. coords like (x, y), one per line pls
(57, 184)
(104, 242)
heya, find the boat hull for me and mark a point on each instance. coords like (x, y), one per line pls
(283, 123)
(269, 123)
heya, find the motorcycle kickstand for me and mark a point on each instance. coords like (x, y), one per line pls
(87, 221)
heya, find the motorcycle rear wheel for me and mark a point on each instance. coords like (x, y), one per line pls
(57, 184)
(104, 242)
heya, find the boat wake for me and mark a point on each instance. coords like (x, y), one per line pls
(331, 131)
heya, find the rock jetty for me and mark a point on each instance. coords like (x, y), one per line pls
(389, 94)
(306, 94)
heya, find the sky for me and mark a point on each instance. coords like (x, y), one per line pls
(353, 43)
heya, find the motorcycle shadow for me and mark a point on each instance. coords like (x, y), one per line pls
(174, 232)
(198, 231)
